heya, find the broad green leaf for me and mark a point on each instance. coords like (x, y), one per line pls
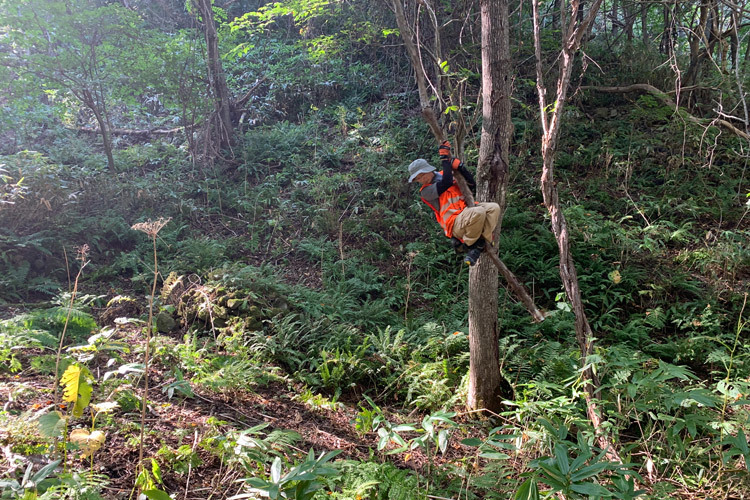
(404, 427)
(382, 443)
(527, 491)
(257, 482)
(276, 470)
(45, 471)
(590, 489)
(328, 456)
(273, 491)
(494, 455)
(51, 424)
(501, 445)
(157, 495)
(443, 440)
(552, 471)
(579, 461)
(471, 442)
(742, 443)
(561, 457)
(703, 397)
(589, 471)
(583, 444)
(155, 470)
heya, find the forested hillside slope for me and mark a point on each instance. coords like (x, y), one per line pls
(216, 281)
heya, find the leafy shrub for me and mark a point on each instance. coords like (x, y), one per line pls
(46, 324)
(283, 340)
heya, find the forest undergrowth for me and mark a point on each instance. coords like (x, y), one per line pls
(308, 321)
(297, 313)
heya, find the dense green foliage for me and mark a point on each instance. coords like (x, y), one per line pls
(300, 259)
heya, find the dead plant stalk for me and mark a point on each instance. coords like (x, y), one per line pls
(151, 228)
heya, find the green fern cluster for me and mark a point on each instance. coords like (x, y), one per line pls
(18, 333)
(377, 481)
(80, 325)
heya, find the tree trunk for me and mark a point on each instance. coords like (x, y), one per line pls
(614, 18)
(486, 387)
(88, 99)
(698, 42)
(223, 130)
(628, 16)
(550, 134)
(670, 29)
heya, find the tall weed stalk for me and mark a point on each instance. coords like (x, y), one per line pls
(151, 228)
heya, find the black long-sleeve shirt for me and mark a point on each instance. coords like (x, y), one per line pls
(431, 193)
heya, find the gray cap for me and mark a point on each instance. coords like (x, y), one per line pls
(419, 166)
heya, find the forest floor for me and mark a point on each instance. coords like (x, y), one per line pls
(175, 422)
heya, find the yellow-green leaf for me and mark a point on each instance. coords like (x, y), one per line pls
(77, 387)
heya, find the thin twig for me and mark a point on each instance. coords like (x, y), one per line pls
(190, 463)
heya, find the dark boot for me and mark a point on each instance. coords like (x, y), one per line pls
(458, 245)
(475, 250)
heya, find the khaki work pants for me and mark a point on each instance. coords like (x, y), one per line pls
(475, 222)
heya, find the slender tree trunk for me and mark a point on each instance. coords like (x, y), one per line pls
(486, 387)
(88, 99)
(670, 29)
(556, 14)
(697, 42)
(628, 16)
(735, 39)
(614, 18)
(217, 80)
(573, 33)
(644, 23)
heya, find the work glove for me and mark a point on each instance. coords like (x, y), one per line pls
(456, 163)
(444, 150)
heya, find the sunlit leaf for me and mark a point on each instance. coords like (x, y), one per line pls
(76, 387)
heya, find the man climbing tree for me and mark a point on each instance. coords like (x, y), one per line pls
(487, 386)
(469, 228)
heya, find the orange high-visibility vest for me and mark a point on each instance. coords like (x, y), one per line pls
(451, 204)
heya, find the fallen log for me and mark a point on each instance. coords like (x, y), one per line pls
(128, 131)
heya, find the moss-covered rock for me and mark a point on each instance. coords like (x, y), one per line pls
(216, 306)
(165, 323)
